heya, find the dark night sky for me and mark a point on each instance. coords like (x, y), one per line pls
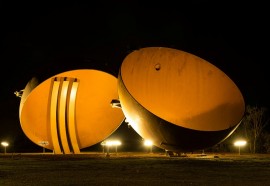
(43, 39)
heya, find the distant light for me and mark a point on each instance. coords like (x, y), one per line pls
(240, 143)
(148, 143)
(111, 143)
(5, 144)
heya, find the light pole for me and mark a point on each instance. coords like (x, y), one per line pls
(239, 144)
(5, 144)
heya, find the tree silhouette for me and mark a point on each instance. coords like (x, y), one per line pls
(254, 122)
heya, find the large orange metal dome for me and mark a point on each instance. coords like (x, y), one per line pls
(180, 101)
(70, 110)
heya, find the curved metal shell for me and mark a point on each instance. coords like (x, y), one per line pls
(71, 110)
(177, 99)
(31, 85)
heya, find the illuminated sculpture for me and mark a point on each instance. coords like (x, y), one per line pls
(178, 100)
(70, 111)
(175, 99)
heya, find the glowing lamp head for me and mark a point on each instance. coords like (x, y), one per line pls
(240, 143)
(148, 143)
(5, 144)
(111, 143)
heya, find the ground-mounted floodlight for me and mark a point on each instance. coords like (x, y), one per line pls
(239, 144)
(149, 144)
(109, 143)
(5, 144)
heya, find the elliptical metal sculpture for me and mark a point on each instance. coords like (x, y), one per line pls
(70, 110)
(178, 100)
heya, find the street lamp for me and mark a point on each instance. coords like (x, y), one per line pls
(239, 144)
(148, 143)
(115, 143)
(5, 144)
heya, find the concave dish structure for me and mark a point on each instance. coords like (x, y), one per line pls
(178, 100)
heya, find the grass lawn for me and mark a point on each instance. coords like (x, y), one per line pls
(129, 168)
